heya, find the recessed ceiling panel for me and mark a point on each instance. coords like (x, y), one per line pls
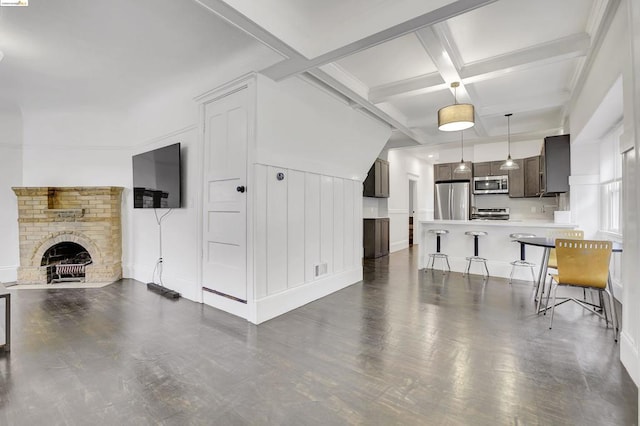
(398, 59)
(505, 26)
(518, 87)
(422, 110)
(525, 122)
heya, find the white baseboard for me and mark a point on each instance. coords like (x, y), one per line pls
(629, 357)
(398, 245)
(188, 289)
(8, 273)
(278, 304)
(233, 307)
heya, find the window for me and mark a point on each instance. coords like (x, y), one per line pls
(611, 182)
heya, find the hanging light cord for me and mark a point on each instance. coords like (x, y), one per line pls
(508, 135)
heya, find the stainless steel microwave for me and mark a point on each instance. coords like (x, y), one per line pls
(491, 184)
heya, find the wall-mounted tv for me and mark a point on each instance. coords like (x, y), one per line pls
(156, 178)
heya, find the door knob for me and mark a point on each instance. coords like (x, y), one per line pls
(240, 189)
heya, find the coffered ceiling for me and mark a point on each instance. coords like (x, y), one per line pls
(394, 59)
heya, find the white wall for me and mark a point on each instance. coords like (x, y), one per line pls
(630, 344)
(313, 216)
(10, 175)
(304, 128)
(494, 151)
(402, 168)
(620, 55)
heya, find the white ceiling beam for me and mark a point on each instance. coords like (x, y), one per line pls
(426, 83)
(439, 45)
(572, 46)
(558, 50)
(297, 65)
(599, 24)
(245, 24)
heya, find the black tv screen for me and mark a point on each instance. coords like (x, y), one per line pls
(156, 178)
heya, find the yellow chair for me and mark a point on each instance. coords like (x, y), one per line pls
(585, 264)
(552, 262)
(573, 234)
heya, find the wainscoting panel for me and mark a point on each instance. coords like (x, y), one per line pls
(277, 228)
(326, 222)
(339, 219)
(309, 232)
(296, 224)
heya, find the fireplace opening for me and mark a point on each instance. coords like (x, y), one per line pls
(66, 261)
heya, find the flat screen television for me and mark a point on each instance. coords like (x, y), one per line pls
(156, 178)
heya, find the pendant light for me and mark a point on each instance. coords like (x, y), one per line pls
(462, 167)
(457, 116)
(509, 164)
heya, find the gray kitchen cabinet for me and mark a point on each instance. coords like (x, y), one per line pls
(555, 164)
(516, 180)
(375, 237)
(445, 171)
(532, 176)
(377, 182)
(488, 168)
(442, 172)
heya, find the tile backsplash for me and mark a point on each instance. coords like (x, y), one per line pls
(519, 208)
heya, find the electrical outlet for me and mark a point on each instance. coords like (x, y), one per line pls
(321, 269)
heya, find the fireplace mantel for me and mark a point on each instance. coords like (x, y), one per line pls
(86, 215)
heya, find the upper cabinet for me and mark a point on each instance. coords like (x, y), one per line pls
(377, 182)
(531, 170)
(516, 180)
(555, 164)
(445, 171)
(488, 168)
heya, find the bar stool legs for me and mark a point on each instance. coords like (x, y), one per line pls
(438, 254)
(476, 257)
(522, 261)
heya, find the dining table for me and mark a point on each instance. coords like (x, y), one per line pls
(548, 243)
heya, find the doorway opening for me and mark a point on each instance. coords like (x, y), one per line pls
(412, 208)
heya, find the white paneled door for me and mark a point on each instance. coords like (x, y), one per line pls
(225, 196)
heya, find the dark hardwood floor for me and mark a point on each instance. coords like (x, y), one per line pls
(402, 347)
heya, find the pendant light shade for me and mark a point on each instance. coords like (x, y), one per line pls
(462, 167)
(457, 116)
(509, 164)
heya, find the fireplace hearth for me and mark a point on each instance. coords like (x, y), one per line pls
(69, 233)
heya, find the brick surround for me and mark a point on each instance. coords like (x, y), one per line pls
(89, 216)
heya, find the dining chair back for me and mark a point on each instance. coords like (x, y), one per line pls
(574, 234)
(584, 263)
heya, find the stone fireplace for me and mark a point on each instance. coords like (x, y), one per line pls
(81, 223)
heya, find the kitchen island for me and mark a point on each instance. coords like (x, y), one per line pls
(497, 247)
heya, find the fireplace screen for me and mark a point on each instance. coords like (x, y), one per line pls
(66, 262)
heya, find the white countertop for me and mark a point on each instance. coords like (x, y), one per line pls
(503, 223)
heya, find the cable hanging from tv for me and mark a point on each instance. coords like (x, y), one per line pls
(159, 287)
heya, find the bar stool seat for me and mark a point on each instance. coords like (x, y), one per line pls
(522, 261)
(476, 257)
(438, 254)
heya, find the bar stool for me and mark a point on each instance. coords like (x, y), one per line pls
(475, 257)
(522, 261)
(437, 254)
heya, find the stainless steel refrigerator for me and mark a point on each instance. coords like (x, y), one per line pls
(452, 200)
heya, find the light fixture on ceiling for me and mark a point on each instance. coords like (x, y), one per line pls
(509, 164)
(462, 167)
(457, 116)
